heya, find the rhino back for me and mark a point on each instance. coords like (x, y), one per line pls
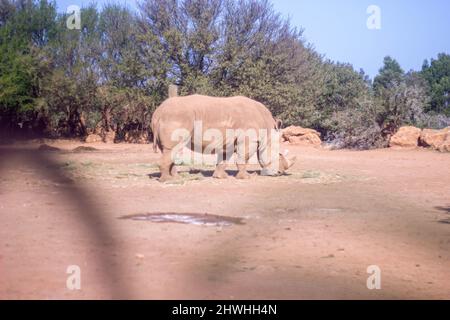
(233, 112)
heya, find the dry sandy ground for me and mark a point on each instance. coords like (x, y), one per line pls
(309, 235)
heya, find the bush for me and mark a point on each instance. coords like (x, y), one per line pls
(356, 129)
(114, 72)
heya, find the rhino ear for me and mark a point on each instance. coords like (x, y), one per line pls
(278, 124)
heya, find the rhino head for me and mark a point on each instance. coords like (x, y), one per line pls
(283, 165)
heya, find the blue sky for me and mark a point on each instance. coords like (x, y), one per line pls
(411, 30)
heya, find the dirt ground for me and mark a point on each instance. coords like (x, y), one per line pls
(308, 235)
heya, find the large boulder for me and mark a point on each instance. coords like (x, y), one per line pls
(306, 139)
(92, 138)
(301, 136)
(406, 137)
(445, 146)
(46, 147)
(435, 138)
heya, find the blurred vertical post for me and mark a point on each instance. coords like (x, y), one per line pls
(173, 91)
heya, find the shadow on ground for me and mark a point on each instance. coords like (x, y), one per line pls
(208, 173)
(90, 213)
(446, 210)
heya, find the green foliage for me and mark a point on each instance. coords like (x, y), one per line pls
(437, 76)
(401, 97)
(389, 75)
(114, 72)
(26, 27)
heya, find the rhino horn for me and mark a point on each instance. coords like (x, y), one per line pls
(291, 162)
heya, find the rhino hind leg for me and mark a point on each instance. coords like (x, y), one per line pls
(243, 156)
(174, 171)
(242, 173)
(220, 172)
(166, 166)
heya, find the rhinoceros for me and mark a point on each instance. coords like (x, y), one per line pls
(226, 125)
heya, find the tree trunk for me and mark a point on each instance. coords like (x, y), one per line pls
(106, 114)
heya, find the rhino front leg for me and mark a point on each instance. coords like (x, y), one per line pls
(244, 153)
(242, 174)
(220, 172)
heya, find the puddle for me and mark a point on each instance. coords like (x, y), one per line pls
(84, 149)
(186, 218)
(329, 210)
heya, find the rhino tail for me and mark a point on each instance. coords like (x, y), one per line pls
(278, 124)
(155, 137)
(155, 148)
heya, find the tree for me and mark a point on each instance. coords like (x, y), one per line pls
(26, 27)
(390, 75)
(115, 71)
(261, 55)
(401, 104)
(71, 91)
(401, 98)
(437, 76)
(123, 75)
(184, 35)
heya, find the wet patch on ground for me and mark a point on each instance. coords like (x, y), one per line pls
(186, 218)
(84, 149)
(321, 177)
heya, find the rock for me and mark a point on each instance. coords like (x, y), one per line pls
(307, 139)
(434, 138)
(297, 131)
(301, 136)
(46, 147)
(445, 146)
(406, 137)
(109, 136)
(92, 138)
